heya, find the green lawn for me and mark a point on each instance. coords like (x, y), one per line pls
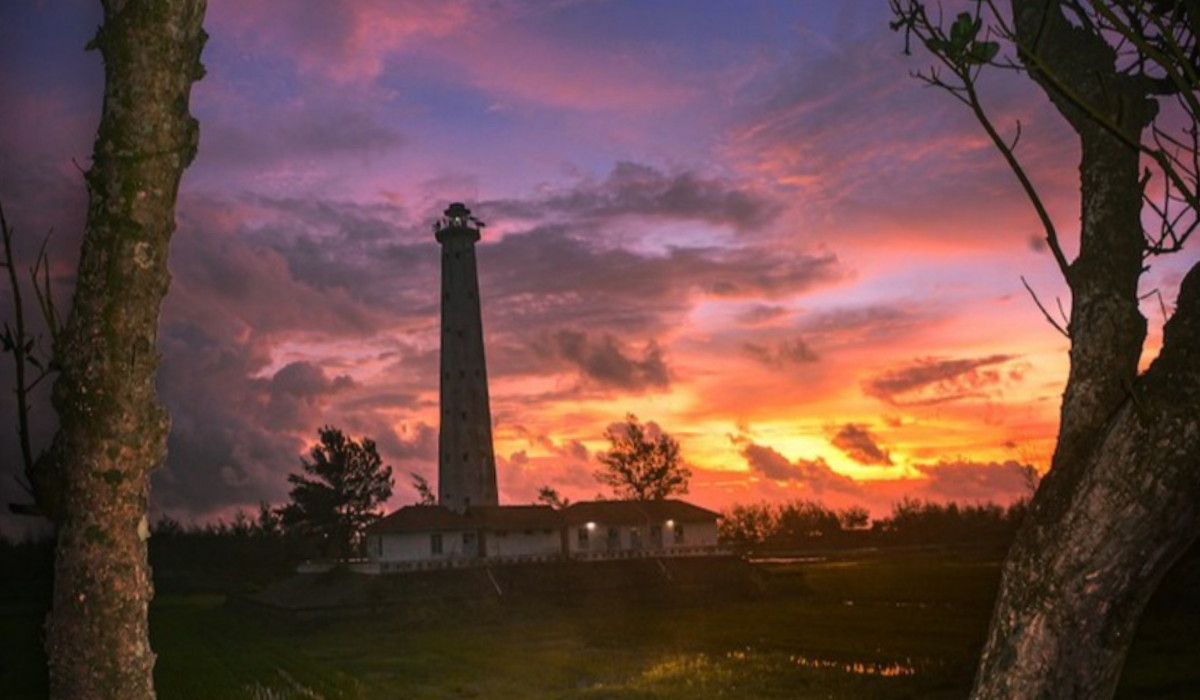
(884, 628)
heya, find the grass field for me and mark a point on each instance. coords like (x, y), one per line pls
(879, 628)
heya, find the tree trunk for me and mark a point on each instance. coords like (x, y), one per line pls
(1101, 534)
(112, 430)
(1122, 500)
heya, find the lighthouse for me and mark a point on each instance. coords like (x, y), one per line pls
(466, 462)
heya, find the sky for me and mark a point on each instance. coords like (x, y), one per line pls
(745, 222)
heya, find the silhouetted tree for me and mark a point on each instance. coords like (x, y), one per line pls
(425, 496)
(269, 522)
(640, 466)
(914, 521)
(339, 492)
(799, 520)
(1122, 499)
(747, 525)
(854, 518)
(549, 496)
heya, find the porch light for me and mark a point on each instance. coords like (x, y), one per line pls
(591, 526)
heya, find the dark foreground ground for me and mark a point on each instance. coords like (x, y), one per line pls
(876, 627)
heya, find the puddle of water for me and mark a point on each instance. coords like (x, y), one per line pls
(789, 560)
(860, 668)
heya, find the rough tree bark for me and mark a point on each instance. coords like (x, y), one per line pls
(112, 430)
(1122, 499)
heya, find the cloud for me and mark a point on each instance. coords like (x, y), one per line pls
(633, 189)
(240, 416)
(549, 277)
(306, 380)
(415, 441)
(603, 361)
(296, 392)
(966, 480)
(290, 136)
(871, 153)
(815, 474)
(761, 314)
(342, 40)
(930, 381)
(859, 445)
(854, 326)
(782, 354)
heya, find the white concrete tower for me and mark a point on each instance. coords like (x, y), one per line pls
(466, 462)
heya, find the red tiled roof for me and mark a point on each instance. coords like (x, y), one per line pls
(515, 517)
(636, 512)
(420, 519)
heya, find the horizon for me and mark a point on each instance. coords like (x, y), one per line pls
(749, 226)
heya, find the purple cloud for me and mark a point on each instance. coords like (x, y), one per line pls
(815, 474)
(934, 380)
(602, 360)
(860, 445)
(783, 354)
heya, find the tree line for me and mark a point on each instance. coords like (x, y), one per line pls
(763, 526)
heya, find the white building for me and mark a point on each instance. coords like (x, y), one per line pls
(668, 527)
(423, 537)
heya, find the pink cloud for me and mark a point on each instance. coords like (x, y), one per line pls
(342, 40)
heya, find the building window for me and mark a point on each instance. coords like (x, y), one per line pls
(635, 538)
(467, 502)
(582, 538)
(614, 539)
(678, 533)
(435, 543)
(656, 536)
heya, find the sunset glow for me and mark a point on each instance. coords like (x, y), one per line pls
(744, 222)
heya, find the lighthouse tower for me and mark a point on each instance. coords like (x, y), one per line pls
(466, 463)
